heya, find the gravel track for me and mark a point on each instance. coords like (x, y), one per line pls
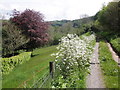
(95, 78)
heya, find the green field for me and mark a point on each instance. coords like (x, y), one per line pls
(22, 75)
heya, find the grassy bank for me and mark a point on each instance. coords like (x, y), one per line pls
(116, 45)
(109, 66)
(23, 74)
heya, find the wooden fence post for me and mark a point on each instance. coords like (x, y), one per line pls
(51, 67)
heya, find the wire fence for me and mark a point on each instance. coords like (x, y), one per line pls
(43, 82)
(48, 77)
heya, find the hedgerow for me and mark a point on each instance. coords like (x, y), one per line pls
(9, 63)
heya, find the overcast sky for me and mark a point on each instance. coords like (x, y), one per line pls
(55, 9)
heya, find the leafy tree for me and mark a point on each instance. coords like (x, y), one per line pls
(12, 38)
(108, 17)
(33, 25)
(66, 28)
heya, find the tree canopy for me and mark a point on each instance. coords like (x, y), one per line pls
(33, 25)
(108, 17)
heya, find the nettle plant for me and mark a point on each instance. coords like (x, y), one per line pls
(72, 58)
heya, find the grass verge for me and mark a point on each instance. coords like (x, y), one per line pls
(109, 67)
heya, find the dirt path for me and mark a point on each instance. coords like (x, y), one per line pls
(95, 78)
(114, 55)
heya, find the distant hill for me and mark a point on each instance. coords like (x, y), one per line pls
(79, 22)
(76, 23)
(59, 22)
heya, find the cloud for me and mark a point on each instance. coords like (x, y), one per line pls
(56, 9)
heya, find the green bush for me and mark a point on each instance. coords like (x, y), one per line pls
(12, 39)
(116, 44)
(9, 63)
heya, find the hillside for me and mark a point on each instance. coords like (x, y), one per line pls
(76, 22)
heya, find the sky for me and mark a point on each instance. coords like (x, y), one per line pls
(54, 9)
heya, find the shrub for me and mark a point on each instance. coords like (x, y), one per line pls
(72, 60)
(12, 38)
(9, 63)
(116, 45)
